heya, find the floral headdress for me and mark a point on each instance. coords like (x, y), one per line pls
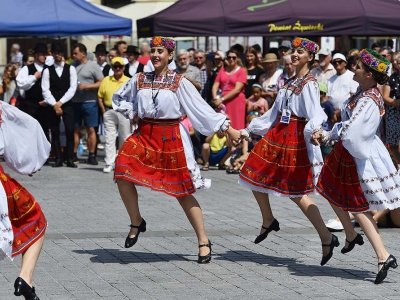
(160, 41)
(374, 60)
(305, 44)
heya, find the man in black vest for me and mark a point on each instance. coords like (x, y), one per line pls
(101, 57)
(29, 79)
(133, 67)
(59, 83)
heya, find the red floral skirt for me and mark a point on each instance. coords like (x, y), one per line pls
(27, 219)
(153, 156)
(339, 182)
(279, 162)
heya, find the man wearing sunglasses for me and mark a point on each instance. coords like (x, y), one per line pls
(113, 121)
(340, 86)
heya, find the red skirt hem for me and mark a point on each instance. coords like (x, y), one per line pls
(280, 162)
(153, 156)
(27, 219)
(339, 182)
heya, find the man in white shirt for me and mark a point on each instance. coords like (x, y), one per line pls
(325, 70)
(340, 86)
(59, 83)
(29, 80)
(133, 66)
(101, 58)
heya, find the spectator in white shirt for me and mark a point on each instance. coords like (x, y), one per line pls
(133, 66)
(325, 70)
(59, 83)
(340, 86)
(29, 79)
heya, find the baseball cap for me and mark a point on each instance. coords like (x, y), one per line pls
(322, 87)
(324, 51)
(117, 60)
(222, 54)
(339, 56)
(286, 44)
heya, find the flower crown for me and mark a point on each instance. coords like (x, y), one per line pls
(374, 60)
(159, 41)
(305, 44)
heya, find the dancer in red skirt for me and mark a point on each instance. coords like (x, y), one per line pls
(359, 175)
(22, 223)
(159, 155)
(284, 163)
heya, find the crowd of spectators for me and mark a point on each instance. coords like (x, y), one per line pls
(241, 83)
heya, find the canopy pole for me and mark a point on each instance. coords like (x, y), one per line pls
(68, 46)
(217, 41)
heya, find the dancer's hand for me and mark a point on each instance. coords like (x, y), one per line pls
(234, 135)
(317, 138)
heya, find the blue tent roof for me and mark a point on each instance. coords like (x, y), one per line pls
(59, 18)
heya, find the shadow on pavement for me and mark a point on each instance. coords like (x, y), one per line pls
(295, 267)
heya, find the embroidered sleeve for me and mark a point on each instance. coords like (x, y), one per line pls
(124, 99)
(204, 119)
(313, 110)
(358, 132)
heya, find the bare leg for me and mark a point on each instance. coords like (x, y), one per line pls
(76, 138)
(226, 156)
(29, 260)
(380, 217)
(311, 211)
(92, 139)
(205, 152)
(265, 208)
(345, 219)
(129, 196)
(370, 229)
(194, 214)
(395, 215)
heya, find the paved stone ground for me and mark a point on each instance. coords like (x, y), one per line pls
(83, 255)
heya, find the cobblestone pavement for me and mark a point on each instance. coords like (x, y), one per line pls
(83, 255)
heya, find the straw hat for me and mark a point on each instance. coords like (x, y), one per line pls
(270, 57)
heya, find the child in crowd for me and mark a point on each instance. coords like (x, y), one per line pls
(187, 124)
(216, 150)
(330, 112)
(256, 106)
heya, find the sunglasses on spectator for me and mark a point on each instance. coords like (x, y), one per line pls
(198, 57)
(231, 57)
(117, 67)
(256, 113)
(338, 62)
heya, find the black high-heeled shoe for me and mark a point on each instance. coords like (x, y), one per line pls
(205, 258)
(391, 262)
(334, 243)
(357, 240)
(23, 289)
(129, 242)
(274, 226)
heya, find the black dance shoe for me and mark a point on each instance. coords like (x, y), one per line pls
(23, 289)
(205, 258)
(129, 242)
(70, 163)
(391, 262)
(357, 240)
(58, 163)
(334, 243)
(274, 226)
